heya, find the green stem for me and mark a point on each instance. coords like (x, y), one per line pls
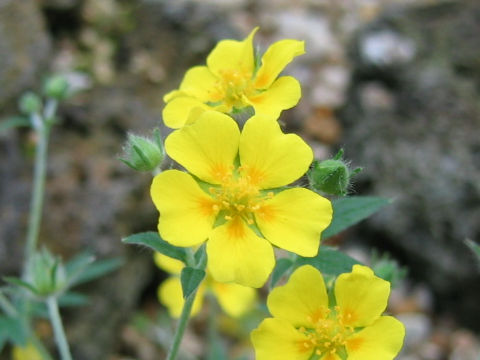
(185, 315)
(58, 331)
(39, 175)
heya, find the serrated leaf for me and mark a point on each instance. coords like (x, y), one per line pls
(155, 242)
(281, 267)
(71, 299)
(97, 269)
(190, 279)
(19, 282)
(350, 210)
(329, 261)
(14, 121)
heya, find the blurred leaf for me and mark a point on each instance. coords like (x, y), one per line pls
(71, 299)
(281, 267)
(217, 350)
(75, 266)
(350, 210)
(13, 329)
(190, 279)
(154, 241)
(98, 269)
(474, 247)
(329, 261)
(14, 121)
(18, 282)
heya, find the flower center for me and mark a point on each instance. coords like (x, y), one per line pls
(329, 334)
(238, 196)
(233, 87)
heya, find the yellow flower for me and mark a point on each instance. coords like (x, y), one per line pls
(234, 299)
(28, 352)
(306, 324)
(230, 81)
(229, 199)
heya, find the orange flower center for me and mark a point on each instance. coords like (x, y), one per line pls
(233, 88)
(238, 196)
(329, 334)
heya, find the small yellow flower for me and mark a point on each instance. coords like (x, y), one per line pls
(234, 299)
(28, 352)
(231, 82)
(305, 324)
(229, 199)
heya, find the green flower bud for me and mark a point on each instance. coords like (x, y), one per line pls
(388, 269)
(46, 273)
(331, 176)
(143, 154)
(56, 87)
(30, 103)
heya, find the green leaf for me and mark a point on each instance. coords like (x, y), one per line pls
(281, 267)
(71, 299)
(155, 242)
(190, 279)
(329, 261)
(98, 269)
(18, 282)
(474, 247)
(13, 329)
(14, 121)
(350, 210)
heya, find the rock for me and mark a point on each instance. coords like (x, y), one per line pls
(24, 46)
(412, 120)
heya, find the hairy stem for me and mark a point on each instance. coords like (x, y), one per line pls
(58, 331)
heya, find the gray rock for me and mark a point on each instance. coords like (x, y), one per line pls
(412, 120)
(24, 46)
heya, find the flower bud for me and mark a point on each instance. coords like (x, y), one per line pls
(56, 87)
(331, 176)
(143, 154)
(46, 273)
(30, 103)
(388, 268)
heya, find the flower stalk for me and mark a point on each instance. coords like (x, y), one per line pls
(58, 330)
(185, 316)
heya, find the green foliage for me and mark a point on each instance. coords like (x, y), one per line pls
(387, 268)
(56, 87)
(12, 122)
(281, 268)
(12, 329)
(474, 247)
(351, 210)
(30, 103)
(97, 269)
(191, 279)
(155, 242)
(329, 261)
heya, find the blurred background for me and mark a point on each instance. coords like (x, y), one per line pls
(396, 83)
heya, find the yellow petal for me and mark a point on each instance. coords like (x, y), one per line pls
(168, 264)
(199, 83)
(277, 56)
(277, 339)
(172, 95)
(361, 296)
(206, 148)
(234, 299)
(283, 94)
(382, 340)
(186, 213)
(294, 219)
(270, 157)
(237, 254)
(232, 55)
(27, 352)
(170, 295)
(302, 300)
(176, 113)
